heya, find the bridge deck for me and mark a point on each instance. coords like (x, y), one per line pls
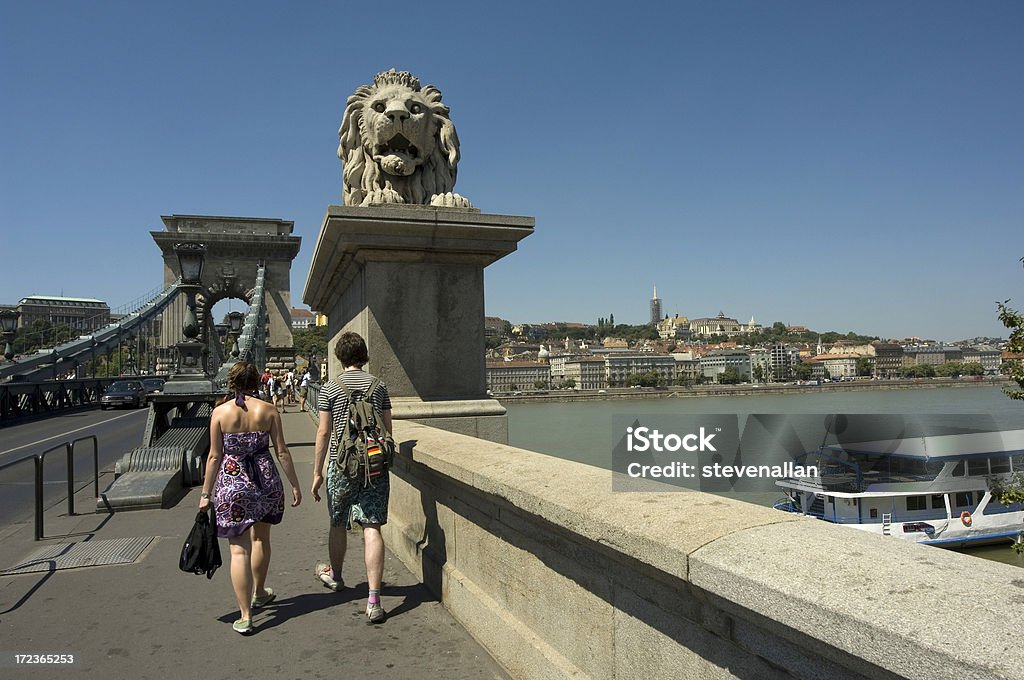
(146, 619)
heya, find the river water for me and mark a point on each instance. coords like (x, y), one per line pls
(583, 431)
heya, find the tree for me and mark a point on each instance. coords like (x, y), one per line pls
(1014, 320)
(950, 369)
(310, 341)
(40, 334)
(865, 366)
(730, 376)
(1012, 490)
(758, 373)
(973, 368)
(803, 371)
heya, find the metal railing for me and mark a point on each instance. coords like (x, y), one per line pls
(40, 459)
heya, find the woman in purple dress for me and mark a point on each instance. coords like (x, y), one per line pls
(244, 486)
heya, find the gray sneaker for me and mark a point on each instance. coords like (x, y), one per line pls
(325, 575)
(375, 613)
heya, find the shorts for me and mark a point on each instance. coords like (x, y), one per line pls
(303, 391)
(349, 501)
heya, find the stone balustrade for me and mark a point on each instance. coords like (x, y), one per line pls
(559, 577)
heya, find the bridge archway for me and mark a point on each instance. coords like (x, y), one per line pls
(235, 248)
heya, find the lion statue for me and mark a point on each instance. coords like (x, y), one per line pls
(398, 145)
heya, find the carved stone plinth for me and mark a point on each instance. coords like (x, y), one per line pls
(410, 280)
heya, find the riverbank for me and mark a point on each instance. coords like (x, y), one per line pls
(678, 392)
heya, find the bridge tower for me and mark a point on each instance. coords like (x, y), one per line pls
(235, 247)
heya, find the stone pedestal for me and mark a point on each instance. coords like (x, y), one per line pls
(410, 280)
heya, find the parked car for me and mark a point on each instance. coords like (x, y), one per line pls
(153, 386)
(128, 393)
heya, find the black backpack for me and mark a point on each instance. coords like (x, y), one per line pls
(367, 449)
(201, 552)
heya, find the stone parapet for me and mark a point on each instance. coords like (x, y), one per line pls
(560, 577)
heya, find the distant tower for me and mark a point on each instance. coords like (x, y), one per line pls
(655, 307)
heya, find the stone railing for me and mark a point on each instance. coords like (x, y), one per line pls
(559, 577)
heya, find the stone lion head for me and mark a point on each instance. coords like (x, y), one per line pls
(398, 145)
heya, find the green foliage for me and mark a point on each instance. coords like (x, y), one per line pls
(865, 366)
(920, 371)
(950, 369)
(1012, 490)
(567, 384)
(311, 341)
(730, 376)
(539, 384)
(1013, 320)
(803, 371)
(649, 379)
(41, 334)
(973, 368)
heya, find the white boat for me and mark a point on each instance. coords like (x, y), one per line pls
(934, 489)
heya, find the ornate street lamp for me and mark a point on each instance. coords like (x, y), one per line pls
(190, 376)
(9, 326)
(235, 320)
(130, 368)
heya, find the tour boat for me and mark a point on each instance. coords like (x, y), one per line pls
(932, 489)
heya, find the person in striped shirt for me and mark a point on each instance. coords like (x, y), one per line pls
(347, 500)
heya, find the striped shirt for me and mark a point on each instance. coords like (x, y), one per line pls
(334, 400)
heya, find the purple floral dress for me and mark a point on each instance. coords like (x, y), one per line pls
(249, 488)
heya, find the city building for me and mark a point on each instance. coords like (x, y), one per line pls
(933, 355)
(782, 360)
(81, 314)
(826, 366)
(761, 365)
(674, 328)
(990, 359)
(713, 364)
(302, 319)
(655, 307)
(687, 368)
(888, 359)
(620, 367)
(723, 325)
(494, 326)
(587, 372)
(510, 376)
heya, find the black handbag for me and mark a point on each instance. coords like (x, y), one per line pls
(201, 552)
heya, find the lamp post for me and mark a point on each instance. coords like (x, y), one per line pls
(235, 320)
(130, 368)
(190, 376)
(9, 326)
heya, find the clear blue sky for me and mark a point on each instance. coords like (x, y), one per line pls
(843, 166)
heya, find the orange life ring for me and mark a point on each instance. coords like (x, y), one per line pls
(965, 517)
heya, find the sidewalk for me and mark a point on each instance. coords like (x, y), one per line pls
(147, 619)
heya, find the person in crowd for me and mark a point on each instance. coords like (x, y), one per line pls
(304, 388)
(347, 500)
(244, 486)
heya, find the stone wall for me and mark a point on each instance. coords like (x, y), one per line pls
(558, 577)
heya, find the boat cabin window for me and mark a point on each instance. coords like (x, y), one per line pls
(917, 502)
(964, 499)
(1018, 463)
(977, 467)
(874, 513)
(994, 507)
(938, 502)
(999, 465)
(958, 471)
